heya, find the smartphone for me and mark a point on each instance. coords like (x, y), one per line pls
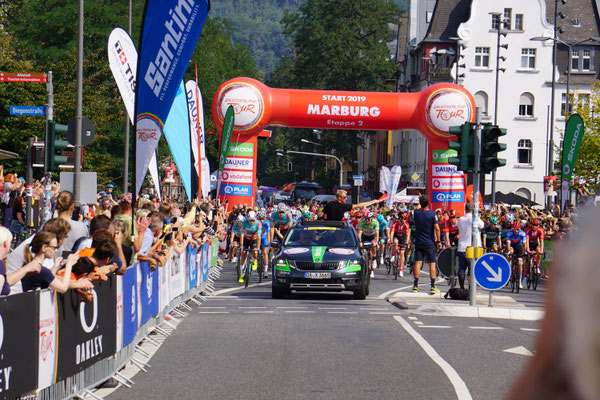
(66, 254)
(175, 229)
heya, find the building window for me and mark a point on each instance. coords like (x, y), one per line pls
(563, 105)
(518, 22)
(507, 18)
(482, 57)
(581, 59)
(495, 21)
(524, 149)
(526, 105)
(528, 58)
(481, 101)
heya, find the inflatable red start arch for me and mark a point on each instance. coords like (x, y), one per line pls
(431, 112)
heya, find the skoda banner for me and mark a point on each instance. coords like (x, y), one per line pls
(170, 31)
(572, 141)
(18, 342)
(91, 327)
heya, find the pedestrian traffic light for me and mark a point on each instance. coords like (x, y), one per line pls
(53, 147)
(289, 166)
(490, 148)
(463, 145)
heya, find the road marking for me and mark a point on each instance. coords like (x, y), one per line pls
(299, 311)
(462, 392)
(342, 312)
(491, 328)
(283, 308)
(333, 308)
(531, 329)
(258, 312)
(233, 289)
(435, 326)
(205, 307)
(519, 350)
(385, 294)
(243, 308)
(374, 309)
(384, 313)
(213, 312)
(413, 318)
(419, 323)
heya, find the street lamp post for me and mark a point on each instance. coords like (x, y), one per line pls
(279, 153)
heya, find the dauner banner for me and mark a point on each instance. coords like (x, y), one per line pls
(196, 110)
(572, 142)
(170, 31)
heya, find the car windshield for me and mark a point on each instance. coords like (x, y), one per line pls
(306, 193)
(320, 236)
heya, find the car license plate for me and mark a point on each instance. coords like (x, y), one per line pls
(317, 275)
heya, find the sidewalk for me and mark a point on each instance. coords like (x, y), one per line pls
(504, 307)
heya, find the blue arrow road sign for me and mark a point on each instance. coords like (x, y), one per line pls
(492, 271)
(28, 110)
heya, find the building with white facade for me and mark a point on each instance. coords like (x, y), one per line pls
(469, 29)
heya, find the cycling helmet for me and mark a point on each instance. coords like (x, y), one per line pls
(516, 225)
(369, 215)
(452, 213)
(110, 185)
(251, 216)
(535, 221)
(261, 215)
(405, 215)
(509, 218)
(307, 215)
(240, 218)
(380, 218)
(281, 207)
(493, 220)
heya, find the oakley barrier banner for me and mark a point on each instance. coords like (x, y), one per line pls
(572, 141)
(170, 31)
(18, 342)
(86, 331)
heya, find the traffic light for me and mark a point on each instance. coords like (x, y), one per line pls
(463, 145)
(53, 147)
(290, 166)
(490, 148)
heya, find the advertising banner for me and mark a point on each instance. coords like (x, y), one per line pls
(148, 294)
(130, 305)
(396, 174)
(228, 123)
(385, 178)
(550, 185)
(86, 331)
(446, 183)
(177, 279)
(197, 133)
(205, 261)
(192, 268)
(123, 60)
(191, 89)
(169, 34)
(441, 156)
(48, 333)
(164, 286)
(572, 141)
(177, 134)
(18, 344)
(119, 305)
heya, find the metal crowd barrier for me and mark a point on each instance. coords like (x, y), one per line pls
(65, 347)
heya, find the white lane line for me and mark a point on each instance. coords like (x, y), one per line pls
(233, 289)
(291, 308)
(342, 312)
(384, 313)
(383, 295)
(298, 311)
(419, 323)
(373, 309)
(213, 312)
(435, 326)
(212, 308)
(413, 318)
(490, 328)
(333, 308)
(258, 312)
(251, 308)
(460, 387)
(530, 329)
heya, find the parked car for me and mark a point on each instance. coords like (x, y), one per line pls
(305, 191)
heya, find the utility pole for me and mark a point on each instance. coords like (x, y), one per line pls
(127, 123)
(475, 229)
(79, 109)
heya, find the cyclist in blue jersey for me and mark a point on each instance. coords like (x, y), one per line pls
(265, 238)
(250, 240)
(384, 235)
(234, 240)
(281, 220)
(516, 243)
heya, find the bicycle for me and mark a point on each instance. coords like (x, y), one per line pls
(248, 268)
(515, 277)
(238, 270)
(533, 271)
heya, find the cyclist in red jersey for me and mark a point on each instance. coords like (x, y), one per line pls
(401, 238)
(535, 238)
(449, 229)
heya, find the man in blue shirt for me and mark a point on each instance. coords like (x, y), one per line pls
(427, 242)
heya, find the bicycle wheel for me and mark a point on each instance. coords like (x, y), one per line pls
(247, 271)
(512, 280)
(518, 281)
(260, 267)
(396, 268)
(535, 276)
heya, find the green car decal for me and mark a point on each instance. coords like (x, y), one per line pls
(317, 253)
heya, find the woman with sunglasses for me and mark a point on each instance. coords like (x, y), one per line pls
(43, 246)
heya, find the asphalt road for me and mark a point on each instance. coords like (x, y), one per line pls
(246, 345)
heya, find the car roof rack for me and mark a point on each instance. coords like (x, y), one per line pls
(339, 224)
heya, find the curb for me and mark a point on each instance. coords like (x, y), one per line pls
(466, 311)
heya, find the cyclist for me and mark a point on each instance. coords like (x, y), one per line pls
(236, 232)
(369, 228)
(281, 221)
(491, 235)
(535, 240)
(449, 229)
(250, 240)
(384, 233)
(400, 238)
(516, 243)
(306, 216)
(265, 239)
